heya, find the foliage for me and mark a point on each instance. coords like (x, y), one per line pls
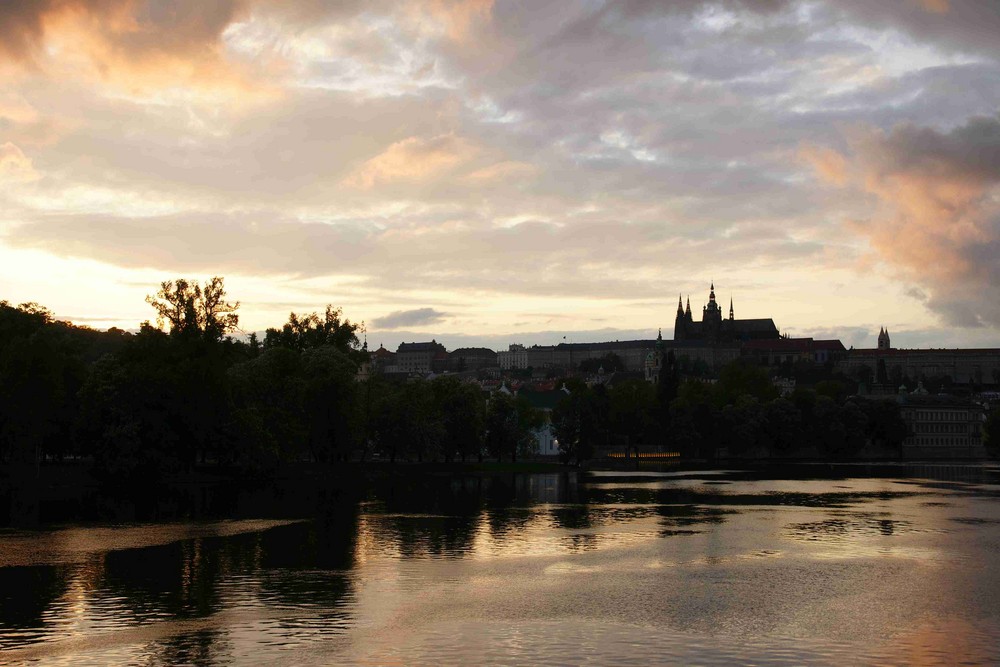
(302, 332)
(991, 432)
(462, 407)
(510, 426)
(581, 421)
(194, 310)
(147, 404)
(610, 363)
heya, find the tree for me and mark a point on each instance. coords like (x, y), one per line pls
(330, 402)
(991, 432)
(610, 362)
(192, 310)
(667, 385)
(41, 371)
(567, 425)
(510, 425)
(633, 411)
(312, 330)
(405, 423)
(884, 423)
(783, 424)
(266, 396)
(462, 410)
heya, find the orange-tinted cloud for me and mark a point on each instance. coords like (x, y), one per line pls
(939, 220)
(15, 165)
(459, 17)
(412, 160)
(828, 163)
(936, 6)
(502, 171)
(140, 44)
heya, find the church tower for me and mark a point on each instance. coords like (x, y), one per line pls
(711, 317)
(883, 339)
(679, 324)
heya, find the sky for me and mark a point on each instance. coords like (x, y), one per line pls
(487, 173)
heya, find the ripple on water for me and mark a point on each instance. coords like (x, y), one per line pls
(587, 641)
(649, 571)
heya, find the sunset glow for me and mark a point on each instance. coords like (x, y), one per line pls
(495, 172)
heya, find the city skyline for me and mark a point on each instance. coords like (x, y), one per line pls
(490, 173)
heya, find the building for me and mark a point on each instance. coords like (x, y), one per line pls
(545, 402)
(714, 329)
(791, 350)
(941, 427)
(418, 357)
(383, 361)
(569, 355)
(516, 357)
(472, 358)
(976, 366)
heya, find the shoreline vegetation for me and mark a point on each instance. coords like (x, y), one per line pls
(189, 396)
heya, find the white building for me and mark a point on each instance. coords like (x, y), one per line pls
(516, 357)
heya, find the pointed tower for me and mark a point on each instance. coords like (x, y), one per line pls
(687, 312)
(711, 321)
(680, 322)
(731, 315)
(883, 339)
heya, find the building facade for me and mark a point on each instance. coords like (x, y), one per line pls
(791, 350)
(472, 358)
(713, 328)
(942, 427)
(976, 366)
(418, 357)
(515, 358)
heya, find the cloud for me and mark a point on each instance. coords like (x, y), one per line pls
(828, 163)
(135, 28)
(939, 216)
(412, 160)
(409, 318)
(958, 25)
(142, 45)
(458, 17)
(506, 151)
(15, 165)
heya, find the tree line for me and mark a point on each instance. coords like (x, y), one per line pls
(738, 414)
(187, 391)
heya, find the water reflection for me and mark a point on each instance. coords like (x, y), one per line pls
(830, 566)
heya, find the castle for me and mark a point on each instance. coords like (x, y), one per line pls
(714, 329)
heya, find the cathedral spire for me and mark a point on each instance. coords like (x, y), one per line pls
(688, 311)
(711, 293)
(731, 308)
(680, 305)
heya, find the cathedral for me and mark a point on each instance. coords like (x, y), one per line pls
(713, 328)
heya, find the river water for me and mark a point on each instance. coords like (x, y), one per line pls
(818, 565)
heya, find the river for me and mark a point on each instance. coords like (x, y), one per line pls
(782, 566)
